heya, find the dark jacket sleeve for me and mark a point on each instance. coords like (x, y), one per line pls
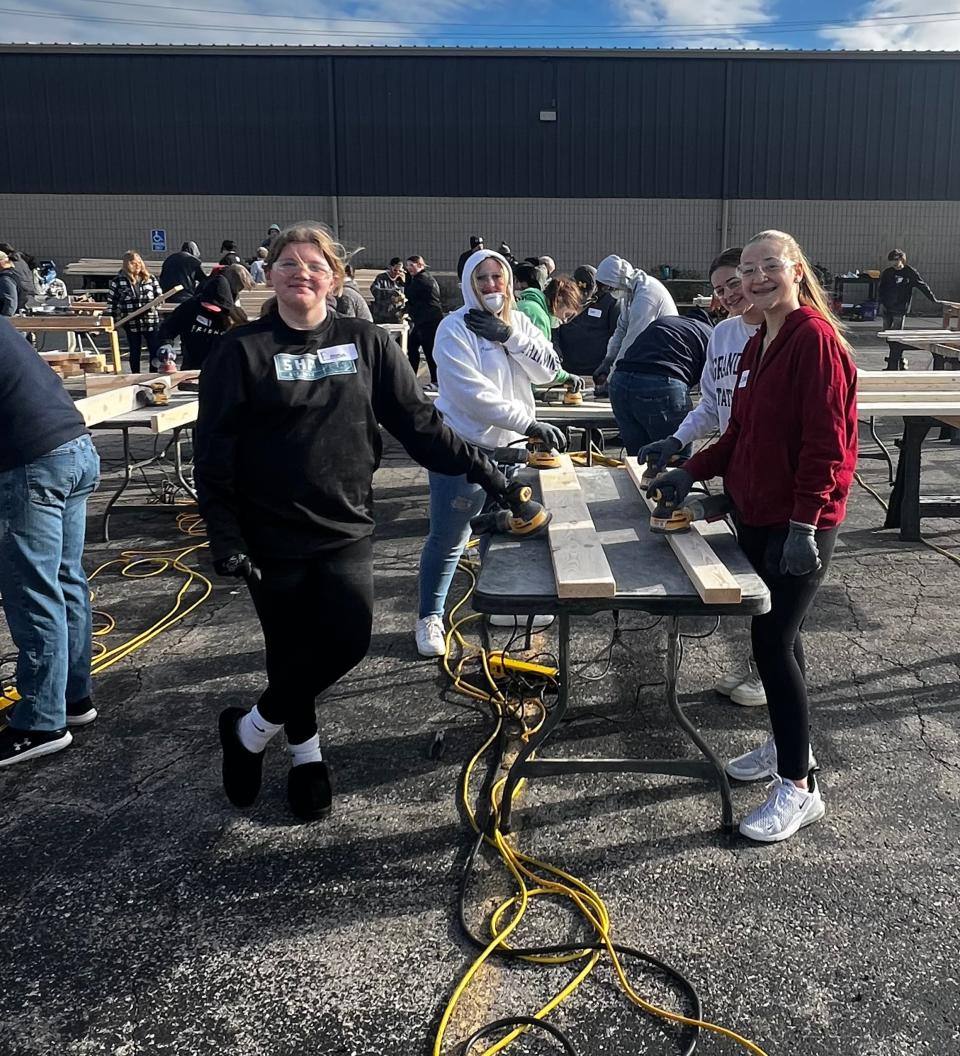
(223, 404)
(402, 409)
(8, 294)
(916, 280)
(176, 323)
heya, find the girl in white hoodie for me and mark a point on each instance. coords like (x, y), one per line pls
(488, 357)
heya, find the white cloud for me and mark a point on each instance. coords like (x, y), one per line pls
(698, 15)
(910, 35)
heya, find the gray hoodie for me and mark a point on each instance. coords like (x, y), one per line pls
(644, 299)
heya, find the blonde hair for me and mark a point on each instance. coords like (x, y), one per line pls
(506, 311)
(564, 294)
(811, 293)
(314, 234)
(134, 266)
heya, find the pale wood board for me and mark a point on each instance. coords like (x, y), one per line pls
(907, 408)
(150, 304)
(711, 578)
(108, 404)
(75, 323)
(172, 417)
(871, 381)
(105, 382)
(579, 564)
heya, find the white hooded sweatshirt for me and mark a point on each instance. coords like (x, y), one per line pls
(645, 299)
(485, 387)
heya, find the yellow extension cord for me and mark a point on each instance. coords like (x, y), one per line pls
(527, 872)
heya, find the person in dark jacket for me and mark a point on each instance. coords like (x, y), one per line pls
(202, 321)
(582, 343)
(183, 269)
(229, 254)
(386, 289)
(897, 283)
(288, 439)
(650, 391)
(425, 311)
(48, 469)
(787, 458)
(22, 274)
(476, 242)
(132, 288)
(8, 286)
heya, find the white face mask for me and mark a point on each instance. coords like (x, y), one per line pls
(493, 301)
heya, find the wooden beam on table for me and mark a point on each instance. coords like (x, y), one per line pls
(150, 304)
(713, 581)
(871, 381)
(108, 404)
(579, 564)
(174, 416)
(96, 383)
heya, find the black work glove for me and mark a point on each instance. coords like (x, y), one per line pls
(800, 554)
(238, 565)
(549, 434)
(660, 451)
(485, 324)
(673, 486)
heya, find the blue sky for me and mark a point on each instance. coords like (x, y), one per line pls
(870, 24)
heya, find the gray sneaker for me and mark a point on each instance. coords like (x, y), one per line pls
(759, 763)
(786, 810)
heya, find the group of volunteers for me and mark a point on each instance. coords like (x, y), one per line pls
(288, 439)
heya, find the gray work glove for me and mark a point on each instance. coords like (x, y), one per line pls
(660, 451)
(485, 324)
(673, 486)
(239, 565)
(800, 554)
(571, 381)
(549, 434)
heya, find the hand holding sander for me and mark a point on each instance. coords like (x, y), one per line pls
(676, 509)
(520, 515)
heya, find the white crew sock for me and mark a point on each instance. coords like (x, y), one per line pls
(307, 752)
(255, 732)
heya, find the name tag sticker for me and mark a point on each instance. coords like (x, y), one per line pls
(594, 313)
(743, 379)
(309, 368)
(337, 354)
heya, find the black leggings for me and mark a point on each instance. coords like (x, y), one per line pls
(777, 646)
(423, 336)
(135, 341)
(316, 616)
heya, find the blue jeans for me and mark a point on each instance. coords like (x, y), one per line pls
(647, 407)
(454, 501)
(43, 516)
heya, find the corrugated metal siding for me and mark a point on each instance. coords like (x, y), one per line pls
(468, 125)
(844, 130)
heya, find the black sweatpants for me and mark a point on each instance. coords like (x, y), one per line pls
(135, 341)
(777, 645)
(423, 336)
(316, 616)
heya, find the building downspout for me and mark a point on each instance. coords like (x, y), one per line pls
(334, 189)
(724, 185)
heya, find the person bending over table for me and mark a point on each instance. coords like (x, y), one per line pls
(288, 439)
(488, 357)
(787, 458)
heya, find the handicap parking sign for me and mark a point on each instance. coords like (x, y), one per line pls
(158, 240)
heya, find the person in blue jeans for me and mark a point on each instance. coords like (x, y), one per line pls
(48, 469)
(650, 387)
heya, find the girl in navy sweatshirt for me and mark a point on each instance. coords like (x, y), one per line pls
(787, 458)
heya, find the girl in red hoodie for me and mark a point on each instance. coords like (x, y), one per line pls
(787, 459)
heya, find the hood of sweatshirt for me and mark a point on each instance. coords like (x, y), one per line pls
(531, 294)
(470, 299)
(616, 272)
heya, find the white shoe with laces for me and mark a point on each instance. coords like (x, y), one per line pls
(431, 641)
(759, 763)
(519, 622)
(726, 685)
(786, 810)
(750, 693)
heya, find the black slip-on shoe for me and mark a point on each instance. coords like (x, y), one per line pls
(308, 791)
(81, 713)
(17, 746)
(242, 769)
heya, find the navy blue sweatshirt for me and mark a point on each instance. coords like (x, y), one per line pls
(673, 346)
(36, 413)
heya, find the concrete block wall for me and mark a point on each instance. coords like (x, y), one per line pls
(685, 233)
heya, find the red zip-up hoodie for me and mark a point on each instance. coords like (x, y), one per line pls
(790, 450)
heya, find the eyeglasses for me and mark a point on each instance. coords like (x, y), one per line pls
(730, 286)
(289, 267)
(770, 267)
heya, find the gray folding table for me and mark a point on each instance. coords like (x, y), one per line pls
(516, 576)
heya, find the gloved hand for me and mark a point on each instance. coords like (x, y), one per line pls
(484, 324)
(673, 486)
(239, 566)
(600, 378)
(800, 554)
(573, 382)
(549, 434)
(660, 451)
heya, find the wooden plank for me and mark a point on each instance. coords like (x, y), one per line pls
(58, 323)
(150, 304)
(108, 404)
(871, 381)
(579, 564)
(711, 578)
(907, 408)
(174, 415)
(105, 382)
(910, 396)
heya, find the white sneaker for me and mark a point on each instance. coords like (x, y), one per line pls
(726, 685)
(786, 810)
(519, 622)
(750, 693)
(431, 640)
(759, 763)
